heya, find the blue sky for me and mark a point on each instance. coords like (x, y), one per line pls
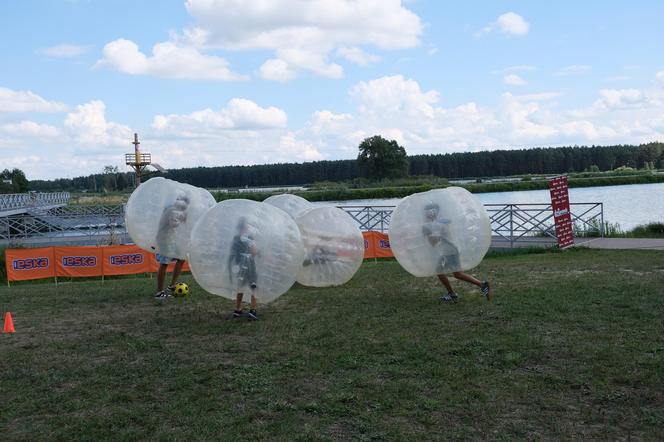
(217, 82)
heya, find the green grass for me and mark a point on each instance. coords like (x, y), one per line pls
(571, 348)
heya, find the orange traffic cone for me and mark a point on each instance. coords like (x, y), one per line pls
(9, 324)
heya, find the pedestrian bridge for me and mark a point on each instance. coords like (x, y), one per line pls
(17, 203)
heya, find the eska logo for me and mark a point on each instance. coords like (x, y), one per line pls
(79, 261)
(30, 263)
(128, 259)
(383, 244)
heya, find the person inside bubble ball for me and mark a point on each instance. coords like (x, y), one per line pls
(320, 253)
(438, 233)
(171, 218)
(242, 268)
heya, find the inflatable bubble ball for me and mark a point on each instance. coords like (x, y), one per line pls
(161, 213)
(333, 247)
(440, 231)
(242, 246)
(293, 205)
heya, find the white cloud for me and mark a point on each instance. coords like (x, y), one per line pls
(508, 23)
(64, 50)
(87, 125)
(660, 77)
(26, 101)
(393, 96)
(575, 69)
(512, 23)
(513, 80)
(276, 70)
(168, 60)
(239, 115)
(357, 56)
(303, 34)
(290, 149)
(621, 98)
(28, 129)
(396, 107)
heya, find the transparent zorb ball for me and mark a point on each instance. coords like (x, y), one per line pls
(333, 247)
(293, 205)
(160, 215)
(440, 231)
(242, 246)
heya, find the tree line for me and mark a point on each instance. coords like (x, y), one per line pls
(451, 166)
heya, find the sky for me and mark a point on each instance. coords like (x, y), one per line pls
(240, 82)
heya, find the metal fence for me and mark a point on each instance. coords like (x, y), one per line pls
(12, 203)
(90, 225)
(512, 225)
(515, 224)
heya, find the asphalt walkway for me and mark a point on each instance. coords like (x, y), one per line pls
(592, 243)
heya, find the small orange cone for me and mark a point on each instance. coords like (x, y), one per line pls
(9, 324)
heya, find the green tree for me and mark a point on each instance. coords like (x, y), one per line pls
(110, 177)
(380, 158)
(13, 181)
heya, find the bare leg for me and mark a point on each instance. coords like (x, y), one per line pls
(253, 302)
(238, 301)
(161, 276)
(467, 278)
(446, 283)
(176, 271)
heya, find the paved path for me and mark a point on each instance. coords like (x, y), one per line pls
(625, 243)
(592, 243)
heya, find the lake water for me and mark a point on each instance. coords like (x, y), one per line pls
(629, 205)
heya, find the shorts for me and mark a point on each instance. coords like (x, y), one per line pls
(164, 259)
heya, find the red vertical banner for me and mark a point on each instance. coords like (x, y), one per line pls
(562, 215)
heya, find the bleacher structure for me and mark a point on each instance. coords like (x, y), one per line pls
(45, 219)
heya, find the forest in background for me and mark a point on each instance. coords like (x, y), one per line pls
(551, 160)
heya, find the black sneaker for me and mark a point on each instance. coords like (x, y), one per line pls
(162, 295)
(252, 315)
(486, 291)
(450, 297)
(238, 313)
(170, 290)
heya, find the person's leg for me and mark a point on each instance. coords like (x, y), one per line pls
(176, 272)
(161, 277)
(484, 286)
(253, 315)
(465, 277)
(451, 296)
(238, 305)
(446, 282)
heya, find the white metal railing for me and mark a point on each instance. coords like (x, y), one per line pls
(509, 222)
(17, 202)
(512, 223)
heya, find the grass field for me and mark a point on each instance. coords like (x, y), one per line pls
(571, 348)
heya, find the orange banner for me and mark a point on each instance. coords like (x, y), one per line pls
(382, 245)
(125, 260)
(25, 264)
(368, 245)
(77, 262)
(376, 245)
